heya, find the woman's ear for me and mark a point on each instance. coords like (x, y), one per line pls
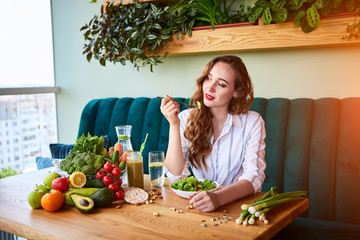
(235, 94)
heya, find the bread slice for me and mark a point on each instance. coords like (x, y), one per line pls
(135, 195)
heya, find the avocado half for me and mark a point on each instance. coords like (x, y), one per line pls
(83, 203)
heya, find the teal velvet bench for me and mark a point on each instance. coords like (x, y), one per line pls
(311, 144)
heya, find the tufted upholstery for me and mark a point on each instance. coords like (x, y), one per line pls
(311, 144)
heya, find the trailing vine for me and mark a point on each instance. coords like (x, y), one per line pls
(131, 33)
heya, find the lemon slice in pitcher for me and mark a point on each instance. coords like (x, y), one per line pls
(77, 179)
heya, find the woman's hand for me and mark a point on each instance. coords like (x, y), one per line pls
(205, 201)
(170, 109)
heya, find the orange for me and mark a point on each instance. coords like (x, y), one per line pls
(52, 201)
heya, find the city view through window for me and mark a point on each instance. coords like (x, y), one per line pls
(27, 126)
(27, 121)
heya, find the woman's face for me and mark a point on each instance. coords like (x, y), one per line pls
(219, 86)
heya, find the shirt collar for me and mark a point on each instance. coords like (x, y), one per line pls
(232, 120)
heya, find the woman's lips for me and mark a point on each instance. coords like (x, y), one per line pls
(209, 97)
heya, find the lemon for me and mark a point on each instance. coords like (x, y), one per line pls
(156, 164)
(77, 179)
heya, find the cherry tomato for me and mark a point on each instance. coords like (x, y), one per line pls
(100, 175)
(119, 181)
(116, 172)
(113, 187)
(108, 166)
(121, 189)
(119, 195)
(107, 180)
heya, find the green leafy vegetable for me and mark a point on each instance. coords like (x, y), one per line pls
(191, 184)
(88, 163)
(89, 144)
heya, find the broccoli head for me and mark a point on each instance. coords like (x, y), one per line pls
(88, 163)
(88, 170)
(99, 162)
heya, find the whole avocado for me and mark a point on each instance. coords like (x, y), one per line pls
(102, 197)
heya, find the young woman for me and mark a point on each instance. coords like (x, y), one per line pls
(221, 141)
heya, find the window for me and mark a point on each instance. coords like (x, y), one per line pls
(27, 90)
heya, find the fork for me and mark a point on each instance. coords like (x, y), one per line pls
(189, 106)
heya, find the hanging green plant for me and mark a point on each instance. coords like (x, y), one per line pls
(131, 33)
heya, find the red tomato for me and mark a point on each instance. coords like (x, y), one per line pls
(100, 175)
(119, 195)
(116, 172)
(119, 181)
(113, 187)
(108, 166)
(107, 180)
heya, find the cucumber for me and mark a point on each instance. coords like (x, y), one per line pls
(94, 184)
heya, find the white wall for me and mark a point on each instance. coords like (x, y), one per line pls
(311, 73)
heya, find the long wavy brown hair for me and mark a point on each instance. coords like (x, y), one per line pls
(199, 128)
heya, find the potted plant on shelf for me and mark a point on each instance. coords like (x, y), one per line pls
(130, 33)
(212, 12)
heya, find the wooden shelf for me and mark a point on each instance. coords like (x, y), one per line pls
(246, 38)
(260, 38)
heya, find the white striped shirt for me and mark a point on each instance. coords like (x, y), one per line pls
(238, 153)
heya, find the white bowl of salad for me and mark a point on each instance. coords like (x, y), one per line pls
(190, 186)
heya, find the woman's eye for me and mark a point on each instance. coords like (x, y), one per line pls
(222, 84)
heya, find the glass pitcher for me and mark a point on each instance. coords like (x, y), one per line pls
(124, 134)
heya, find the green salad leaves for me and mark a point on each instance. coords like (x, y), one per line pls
(191, 184)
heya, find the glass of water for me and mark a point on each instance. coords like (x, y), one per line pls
(156, 168)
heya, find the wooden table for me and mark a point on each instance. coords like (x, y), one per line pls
(130, 221)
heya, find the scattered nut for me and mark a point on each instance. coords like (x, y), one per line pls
(151, 201)
(203, 225)
(202, 220)
(215, 224)
(156, 214)
(181, 211)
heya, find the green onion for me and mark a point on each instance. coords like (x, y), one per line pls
(261, 206)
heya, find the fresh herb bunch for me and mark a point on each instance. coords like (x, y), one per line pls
(212, 12)
(89, 144)
(131, 33)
